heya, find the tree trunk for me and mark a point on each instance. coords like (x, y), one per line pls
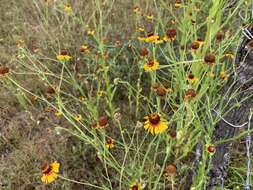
(241, 82)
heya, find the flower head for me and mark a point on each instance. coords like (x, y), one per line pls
(117, 116)
(57, 113)
(171, 34)
(101, 123)
(224, 75)
(220, 35)
(161, 90)
(209, 58)
(136, 9)
(67, 8)
(63, 56)
(195, 46)
(90, 32)
(191, 78)
(78, 117)
(178, 4)
(100, 93)
(110, 143)
(152, 65)
(4, 70)
(155, 124)
(210, 148)
(172, 21)
(200, 41)
(144, 52)
(135, 186)
(170, 170)
(50, 172)
(230, 55)
(84, 49)
(190, 94)
(151, 38)
(150, 17)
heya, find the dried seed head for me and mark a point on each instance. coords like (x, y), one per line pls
(155, 86)
(117, 116)
(161, 90)
(191, 93)
(50, 90)
(103, 121)
(170, 170)
(144, 52)
(173, 134)
(171, 33)
(209, 58)
(64, 52)
(220, 35)
(4, 70)
(195, 45)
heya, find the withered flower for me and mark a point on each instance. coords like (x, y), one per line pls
(195, 46)
(50, 90)
(144, 52)
(4, 70)
(209, 58)
(190, 93)
(170, 170)
(220, 35)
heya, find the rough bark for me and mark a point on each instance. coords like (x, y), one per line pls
(241, 82)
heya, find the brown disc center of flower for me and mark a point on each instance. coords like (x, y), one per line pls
(154, 118)
(191, 76)
(135, 187)
(151, 63)
(209, 58)
(171, 33)
(195, 45)
(64, 52)
(109, 141)
(47, 169)
(4, 70)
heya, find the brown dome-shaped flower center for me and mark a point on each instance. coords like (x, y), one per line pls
(64, 52)
(135, 187)
(191, 77)
(50, 90)
(4, 70)
(151, 63)
(191, 93)
(220, 35)
(195, 45)
(144, 51)
(209, 58)
(171, 33)
(161, 91)
(47, 169)
(109, 141)
(103, 121)
(170, 170)
(154, 118)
